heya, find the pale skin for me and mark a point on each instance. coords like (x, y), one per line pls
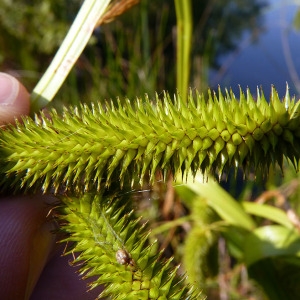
(31, 262)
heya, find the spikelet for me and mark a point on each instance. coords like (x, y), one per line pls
(113, 249)
(199, 242)
(87, 147)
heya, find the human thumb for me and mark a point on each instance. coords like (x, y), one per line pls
(14, 99)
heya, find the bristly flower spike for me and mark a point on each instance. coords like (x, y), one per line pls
(89, 147)
(113, 249)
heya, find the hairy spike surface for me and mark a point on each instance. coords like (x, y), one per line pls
(113, 248)
(87, 147)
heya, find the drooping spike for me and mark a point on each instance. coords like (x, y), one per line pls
(88, 146)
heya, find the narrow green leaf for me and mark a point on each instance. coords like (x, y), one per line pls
(226, 206)
(268, 212)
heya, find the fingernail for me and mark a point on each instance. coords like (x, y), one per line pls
(42, 246)
(9, 89)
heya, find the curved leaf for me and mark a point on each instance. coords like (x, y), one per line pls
(269, 212)
(226, 206)
(271, 241)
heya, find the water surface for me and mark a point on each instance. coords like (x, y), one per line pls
(273, 58)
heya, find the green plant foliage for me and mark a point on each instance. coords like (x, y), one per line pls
(113, 248)
(269, 212)
(269, 250)
(271, 241)
(87, 146)
(215, 196)
(44, 20)
(30, 32)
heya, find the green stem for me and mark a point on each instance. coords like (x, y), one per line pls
(169, 225)
(184, 36)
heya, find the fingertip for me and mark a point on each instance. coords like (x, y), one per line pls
(26, 241)
(14, 99)
(60, 280)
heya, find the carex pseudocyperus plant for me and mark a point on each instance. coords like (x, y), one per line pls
(85, 148)
(80, 154)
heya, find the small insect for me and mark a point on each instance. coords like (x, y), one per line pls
(124, 258)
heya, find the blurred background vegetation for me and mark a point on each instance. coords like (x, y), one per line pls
(131, 56)
(136, 54)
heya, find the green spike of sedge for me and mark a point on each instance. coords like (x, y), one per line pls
(121, 258)
(89, 144)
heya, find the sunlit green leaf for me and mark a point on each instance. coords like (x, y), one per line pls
(271, 241)
(226, 206)
(269, 212)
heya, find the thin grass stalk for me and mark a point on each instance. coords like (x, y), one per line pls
(184, 39)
